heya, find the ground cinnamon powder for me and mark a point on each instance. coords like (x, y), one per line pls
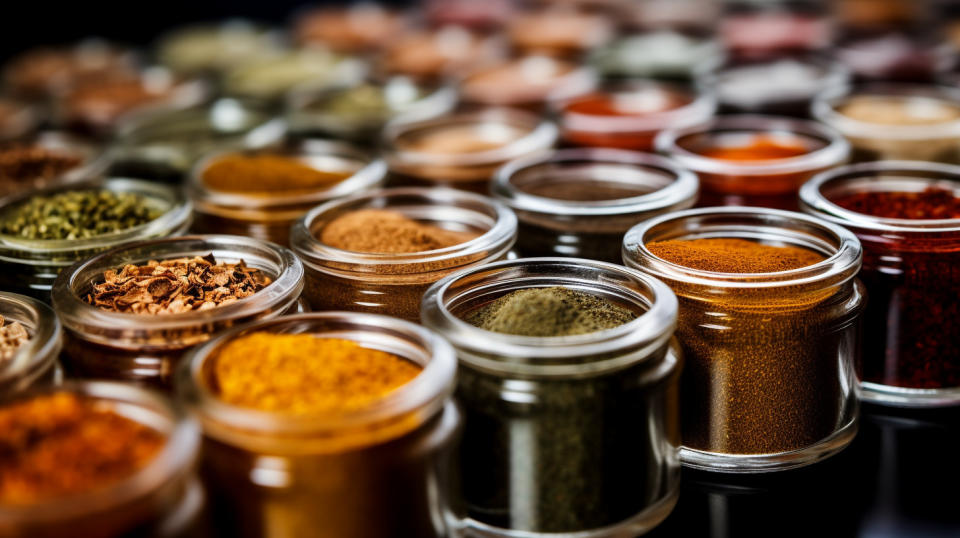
(731, 255)
(266, 175)
(388, 232)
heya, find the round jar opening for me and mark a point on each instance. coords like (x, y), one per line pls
(41, 328)
(754, 85)
(891, 111)
(45, 159)
(530, 80)
(637, 106)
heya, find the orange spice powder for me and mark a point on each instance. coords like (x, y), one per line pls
(732, 255)
(758, 149)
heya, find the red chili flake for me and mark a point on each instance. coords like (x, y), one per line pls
(932, 203)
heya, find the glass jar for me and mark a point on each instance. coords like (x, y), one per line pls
(376, 471)
(269, 216)
(35, 362)
(215, 48)
(144, 348)
(580, 202)
(30, 266)
(895, 121)
(573, 434)
(164, 498)
(769, 381)
(529, 82)
(911, 269)
(766, 182)
(629, 115)
(664, 54)
(266, 80)
(393, 284)
(28, 174)
(462, 150)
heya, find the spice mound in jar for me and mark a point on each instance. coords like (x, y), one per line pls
(929, 204)
(555, 311)
(731, 255)
(303, 374)
(388, 232)
(78, 214)
(103, 102)
(464, 138)
(267, 175)
(12, 336)
(176, 286)
(899, 110)
(63, 444)
(762, 147)
(23, 163)
(526, 80)
(642, 101)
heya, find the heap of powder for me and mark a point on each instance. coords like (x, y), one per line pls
(553, 311)
(305, 374)
(931, 203)
(731, 255)
(758, 149)
(62, 444)
(388, 232)
(267, 174)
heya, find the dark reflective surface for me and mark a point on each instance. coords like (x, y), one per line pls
(899, 477)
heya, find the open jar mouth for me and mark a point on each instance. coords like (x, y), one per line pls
(728, 84)
(657, 181)
(171, 463)
(442, 205)
(573, 81)
(460, 293)
(94, 160)
(698, 108)
(828, 147)
(826, 108)
(424, 395)
(279, 263)
(175, 217)
(42, 325)
(840, 247)
(881, 176)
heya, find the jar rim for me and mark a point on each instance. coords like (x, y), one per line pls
(75, 313)
(835, 150)
(683, 186)
(43, 344)
(425, 393)
(555, 355)
(814, 201)
(824, 109)
(840, 266)
(175, 458)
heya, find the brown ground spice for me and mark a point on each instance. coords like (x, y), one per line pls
(388, 232)
(731, 255)
(267, 174)
(62, 444)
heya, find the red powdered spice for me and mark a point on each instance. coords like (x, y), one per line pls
(929, 204)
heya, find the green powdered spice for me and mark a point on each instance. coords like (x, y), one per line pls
(77, 215)
(553, 311)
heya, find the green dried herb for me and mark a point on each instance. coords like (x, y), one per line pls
(77, 215)
(553, 311)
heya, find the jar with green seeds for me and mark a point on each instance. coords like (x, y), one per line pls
(43, 232)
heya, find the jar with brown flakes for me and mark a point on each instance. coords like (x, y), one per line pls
(30, 341)
(47, 159)
(132, 312)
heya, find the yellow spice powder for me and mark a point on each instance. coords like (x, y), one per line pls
(305, 374)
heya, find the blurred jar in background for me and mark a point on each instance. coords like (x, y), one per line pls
(750, 29)
(440, 52)
(353, 29)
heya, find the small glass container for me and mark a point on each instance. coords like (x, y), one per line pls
(92, 161)
(766, 180)
(629, 115)
(268, 216)
(267, 80)
(376, 471)
(30, 266)
(144, 348)
(40, 73)
(164, 498)
(768, 380)
(35, 362)
(435, 54)
(213, 49)
(756, 29)
(352, 29)
(895, 121)
(580, 202)
(558, 31)
(911, 269)
(663, 54)
(393, 284)
(529, 82)
(462, 150)
(570, 435)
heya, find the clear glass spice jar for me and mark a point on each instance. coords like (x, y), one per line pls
(164, 498)
(911, 269)
(580, 202)
(768, 381)
(268, 216)
(30, 266)
(28, 173)
(569, 435)
(895, 121)
(379, 470)
(462, 150)
(35, 361)
(393, 284)
(146, 348)
(754, 160)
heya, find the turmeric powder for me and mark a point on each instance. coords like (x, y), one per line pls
(266, 175)
(305, 374)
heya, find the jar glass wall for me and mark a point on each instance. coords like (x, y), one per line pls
(393, 284)
(378, 470)
(911, 269)
(35, 361)
(572, 434)
(580, 202)
(754, 160)
(768, 382)
(146, 348)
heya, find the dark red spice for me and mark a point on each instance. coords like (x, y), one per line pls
(931, 203)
